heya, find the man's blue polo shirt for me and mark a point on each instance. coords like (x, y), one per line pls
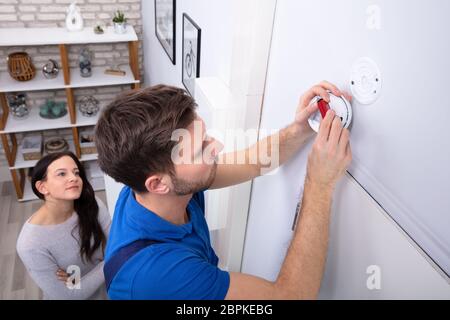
(183, 266)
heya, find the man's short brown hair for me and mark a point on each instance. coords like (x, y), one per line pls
(133, 134)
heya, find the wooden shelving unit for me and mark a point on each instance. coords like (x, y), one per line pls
(68, 79)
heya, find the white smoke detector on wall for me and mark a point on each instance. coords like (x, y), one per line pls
(365, 81)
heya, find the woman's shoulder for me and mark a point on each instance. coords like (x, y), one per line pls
(35, 233)
(30, 238)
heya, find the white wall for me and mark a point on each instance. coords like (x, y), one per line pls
(361, 233)
(214, 18)
(235, 45)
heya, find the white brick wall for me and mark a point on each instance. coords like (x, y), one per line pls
(51, 13)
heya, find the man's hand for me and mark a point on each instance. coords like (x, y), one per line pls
(306, 109)
(287, 142)
(331, 153)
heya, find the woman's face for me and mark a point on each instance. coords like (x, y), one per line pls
(63, 180)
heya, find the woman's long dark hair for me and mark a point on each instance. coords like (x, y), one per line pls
(85, 206)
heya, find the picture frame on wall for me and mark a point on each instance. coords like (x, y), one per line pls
(165, 26)
(191, 53)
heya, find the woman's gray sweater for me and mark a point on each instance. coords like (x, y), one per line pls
(46, 248)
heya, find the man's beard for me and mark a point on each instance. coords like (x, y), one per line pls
(183, 187)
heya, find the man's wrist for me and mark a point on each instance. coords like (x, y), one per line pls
(326, 189)
(300, 130)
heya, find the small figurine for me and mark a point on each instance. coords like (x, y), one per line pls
(98, 29)
(74, 20)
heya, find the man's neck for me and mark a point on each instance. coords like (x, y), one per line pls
(171, 208)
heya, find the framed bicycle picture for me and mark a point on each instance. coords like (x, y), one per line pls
(165, 18)
(191, 53)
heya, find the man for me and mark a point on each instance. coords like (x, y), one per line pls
(163, 200)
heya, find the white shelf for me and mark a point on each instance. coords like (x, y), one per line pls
(83, 121)
(99, 78)
(97, 184)
(34, 122)
(39, 82)
(55, 36)
(21, 163)
(89, 157)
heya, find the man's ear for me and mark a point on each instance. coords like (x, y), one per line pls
(157, 184)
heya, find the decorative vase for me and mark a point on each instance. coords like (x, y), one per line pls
(85, 63)
(50, 69)
(20, 66)
(74, 20)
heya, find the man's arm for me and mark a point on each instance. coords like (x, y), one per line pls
(272, 151)
(302, 270)
(267, 153)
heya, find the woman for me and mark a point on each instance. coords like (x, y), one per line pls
(62, 244)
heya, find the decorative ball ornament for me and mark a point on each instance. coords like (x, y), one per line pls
(74, 20)
(89, 106)
(50, 69)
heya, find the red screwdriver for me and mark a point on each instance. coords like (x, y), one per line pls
(323, 107)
